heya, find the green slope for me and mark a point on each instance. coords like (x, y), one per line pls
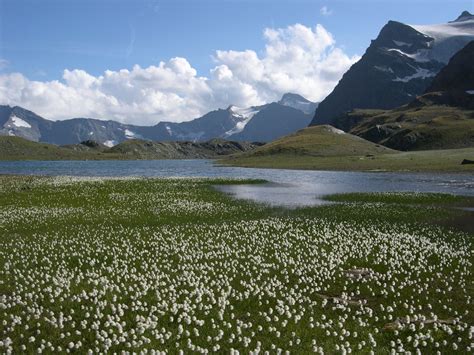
(320, 141)
(320, 148)
(15, 148)
(415, 127)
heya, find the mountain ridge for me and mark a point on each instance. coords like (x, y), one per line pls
(443, 117)
(17, 148)
(397, 66)
(221, 123)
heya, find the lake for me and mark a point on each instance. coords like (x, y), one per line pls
(286, 187)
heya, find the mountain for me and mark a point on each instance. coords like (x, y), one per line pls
(215, 124)
(17, 121)
(17, 148)
(458, 75)
(273, 120)
(398, 65)
(258, 123)
(298, 102)
(441, 118)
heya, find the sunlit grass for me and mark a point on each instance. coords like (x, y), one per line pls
(91, 264)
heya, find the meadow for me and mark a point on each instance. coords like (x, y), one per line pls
(172, 265)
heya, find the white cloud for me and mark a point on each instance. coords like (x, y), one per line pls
(296, 59)
(325, 11)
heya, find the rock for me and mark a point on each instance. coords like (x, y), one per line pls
(91, 144)
(467, 161)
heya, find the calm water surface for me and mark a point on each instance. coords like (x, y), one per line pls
(286, 187)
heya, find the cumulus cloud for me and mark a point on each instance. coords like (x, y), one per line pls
(325, 11)
(296, 59)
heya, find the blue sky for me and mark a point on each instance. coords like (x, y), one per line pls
(54, 54)
(42, 38)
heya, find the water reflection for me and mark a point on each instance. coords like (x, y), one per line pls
(287, 187)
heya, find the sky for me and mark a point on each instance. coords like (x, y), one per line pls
(145, 61)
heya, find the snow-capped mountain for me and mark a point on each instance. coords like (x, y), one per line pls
(16, 121)
(398, 65)
(244, 116)
(298, 102)
(272, 121)
(268, 121)
(215, 124)
(258, 123)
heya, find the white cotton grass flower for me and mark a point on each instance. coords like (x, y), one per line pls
(273, 284)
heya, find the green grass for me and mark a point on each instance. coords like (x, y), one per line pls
(320, 148)
(405, 198)
(16, 148)
(320, 141)
(169, 264)
(431, 160)
(434, 126)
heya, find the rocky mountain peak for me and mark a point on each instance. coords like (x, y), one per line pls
(465, 16)
(298, 102)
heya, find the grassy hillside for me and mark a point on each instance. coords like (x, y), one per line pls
(317, 148)
(320, 141)
(416, 128)
(139, 149)
(15, 148)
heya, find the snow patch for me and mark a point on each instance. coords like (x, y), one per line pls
(384, 69)
(239, 127)
(335, 130)
(168, 129)
(129, 134)
(18, 122)
(298, 103)
(446, 39)
(470, 92)
(443, 31)
(420, 56)
(419, 74)
(243, 112)
(244, 115)
(401, 44)
(110, 143)
(91, 133)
